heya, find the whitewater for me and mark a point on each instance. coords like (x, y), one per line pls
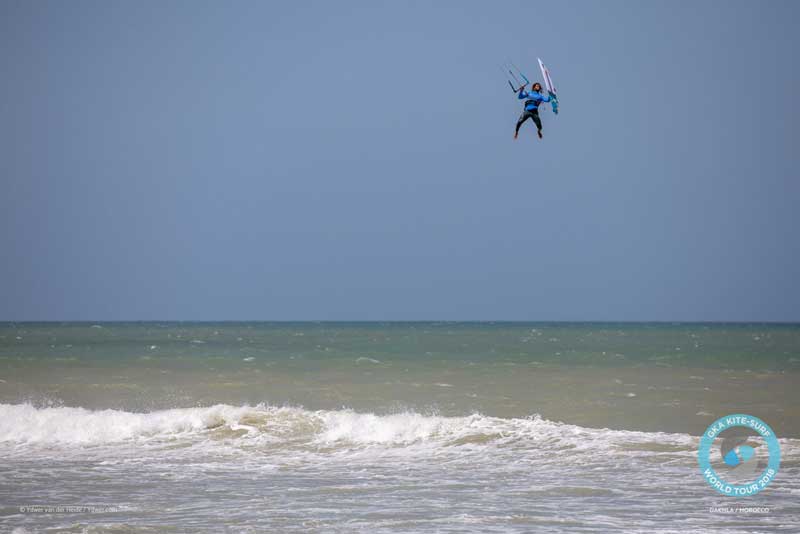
(282, 468)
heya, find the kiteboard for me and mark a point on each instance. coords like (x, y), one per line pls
(551, 89)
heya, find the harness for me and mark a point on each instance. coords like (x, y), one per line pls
(531, 101)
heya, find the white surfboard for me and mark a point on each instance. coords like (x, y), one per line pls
(548, 83)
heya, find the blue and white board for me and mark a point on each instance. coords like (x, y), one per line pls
(548, 83)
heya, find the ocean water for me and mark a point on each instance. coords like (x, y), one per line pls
(388, 427)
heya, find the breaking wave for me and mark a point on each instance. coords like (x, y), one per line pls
(270, 425)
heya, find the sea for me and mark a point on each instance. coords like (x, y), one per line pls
(239, 427)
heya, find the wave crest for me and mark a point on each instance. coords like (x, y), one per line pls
(286, 426)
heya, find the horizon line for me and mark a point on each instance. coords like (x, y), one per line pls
(409, 321)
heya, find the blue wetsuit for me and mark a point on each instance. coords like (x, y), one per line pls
(533, 99)
(531, 111)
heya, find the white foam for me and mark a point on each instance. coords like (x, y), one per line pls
(267, 425)
(370, 428)
(25, 423)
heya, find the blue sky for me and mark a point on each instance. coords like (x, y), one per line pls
(354, 160)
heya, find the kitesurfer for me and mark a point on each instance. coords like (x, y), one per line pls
(531, 110)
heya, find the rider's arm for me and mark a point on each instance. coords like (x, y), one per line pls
(522, 93)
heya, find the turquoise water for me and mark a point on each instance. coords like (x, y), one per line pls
(247, 427)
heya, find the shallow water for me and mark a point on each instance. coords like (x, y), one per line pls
(441, 427)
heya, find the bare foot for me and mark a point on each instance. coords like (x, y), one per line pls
(516, 134)
(540, 134)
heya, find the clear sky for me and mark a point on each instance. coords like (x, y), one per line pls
(354, 160)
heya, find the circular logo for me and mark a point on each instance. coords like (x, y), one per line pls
(739, 455)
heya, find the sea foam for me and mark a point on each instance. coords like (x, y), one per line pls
(275, 426)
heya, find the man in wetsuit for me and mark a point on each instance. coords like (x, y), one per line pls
(531, 111)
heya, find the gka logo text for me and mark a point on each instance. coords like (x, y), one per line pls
(743, 466)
